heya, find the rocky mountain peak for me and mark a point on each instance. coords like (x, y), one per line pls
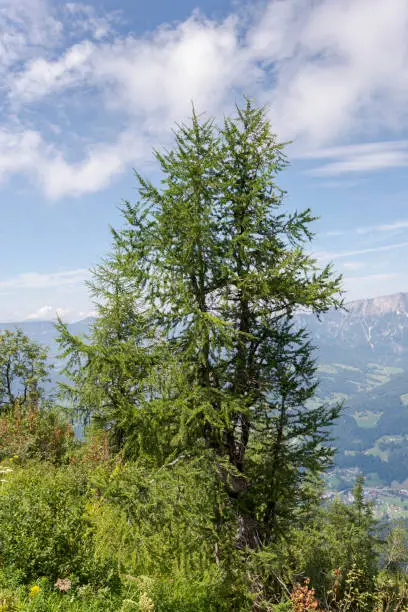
(385, 304)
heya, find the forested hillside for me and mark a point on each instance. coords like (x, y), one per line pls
(199, 483)
(363, 362)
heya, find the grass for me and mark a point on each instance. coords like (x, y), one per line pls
(385, 440)
(377, 452)
(367, 419)
(373, 480)
(343, 366)
(392, 505)
(375, 380)
(387, 370)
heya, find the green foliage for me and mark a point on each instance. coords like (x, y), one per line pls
(206, 592)
(161, 524)
(156, 522)
(353, 529)
(23, 370)
(67, 522)
(43, 596)
(35, 434)
(396, 548)
(43, 530)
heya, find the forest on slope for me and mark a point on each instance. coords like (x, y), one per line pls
(198, 485)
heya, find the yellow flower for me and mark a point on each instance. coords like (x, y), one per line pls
(35, 590)
(15, 456)
(10, 458)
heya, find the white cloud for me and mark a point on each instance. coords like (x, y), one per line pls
(27, 27)
(35, 280)
(42, 76)
(372, 277)
(334, 233)
(84, 314)
(102, 162)
(367, 157)
(152, 78)
(345, 69)
(18, 150)
(332, 255)
(331, 72)
(353, 265)
(85, 20)
(357, 150)
(43, 295)
(392, 227)
(386, 227)
(46, 312)
(58, 177)
(152, 81)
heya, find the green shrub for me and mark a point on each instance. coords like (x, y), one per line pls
(43, 529)
(184, 593)
(35, 434)
(158, 524)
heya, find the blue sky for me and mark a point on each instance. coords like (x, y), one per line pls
(88, 89)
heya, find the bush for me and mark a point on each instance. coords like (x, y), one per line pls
(157, 524)
(35, 434)
(184, 593)
(43, 529)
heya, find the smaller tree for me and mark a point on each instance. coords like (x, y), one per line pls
(23, 370)
(351, 532)
(396, 548)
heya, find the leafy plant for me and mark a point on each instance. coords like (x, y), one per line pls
(43, 531)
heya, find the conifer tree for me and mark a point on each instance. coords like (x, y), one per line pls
(197, 346)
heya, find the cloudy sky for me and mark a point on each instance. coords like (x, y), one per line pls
(88, 89)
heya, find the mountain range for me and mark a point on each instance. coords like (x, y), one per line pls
(363, 363)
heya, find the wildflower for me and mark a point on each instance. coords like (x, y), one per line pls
(63, 584)
(303, 598)
(35, 590)
(145, 603)
(15, 456)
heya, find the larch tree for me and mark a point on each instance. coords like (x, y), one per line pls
(196, 347)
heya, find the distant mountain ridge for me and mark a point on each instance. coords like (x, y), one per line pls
(366, 328)
(378, 324)
(45, 333)
(363, 362)
(385, 304)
